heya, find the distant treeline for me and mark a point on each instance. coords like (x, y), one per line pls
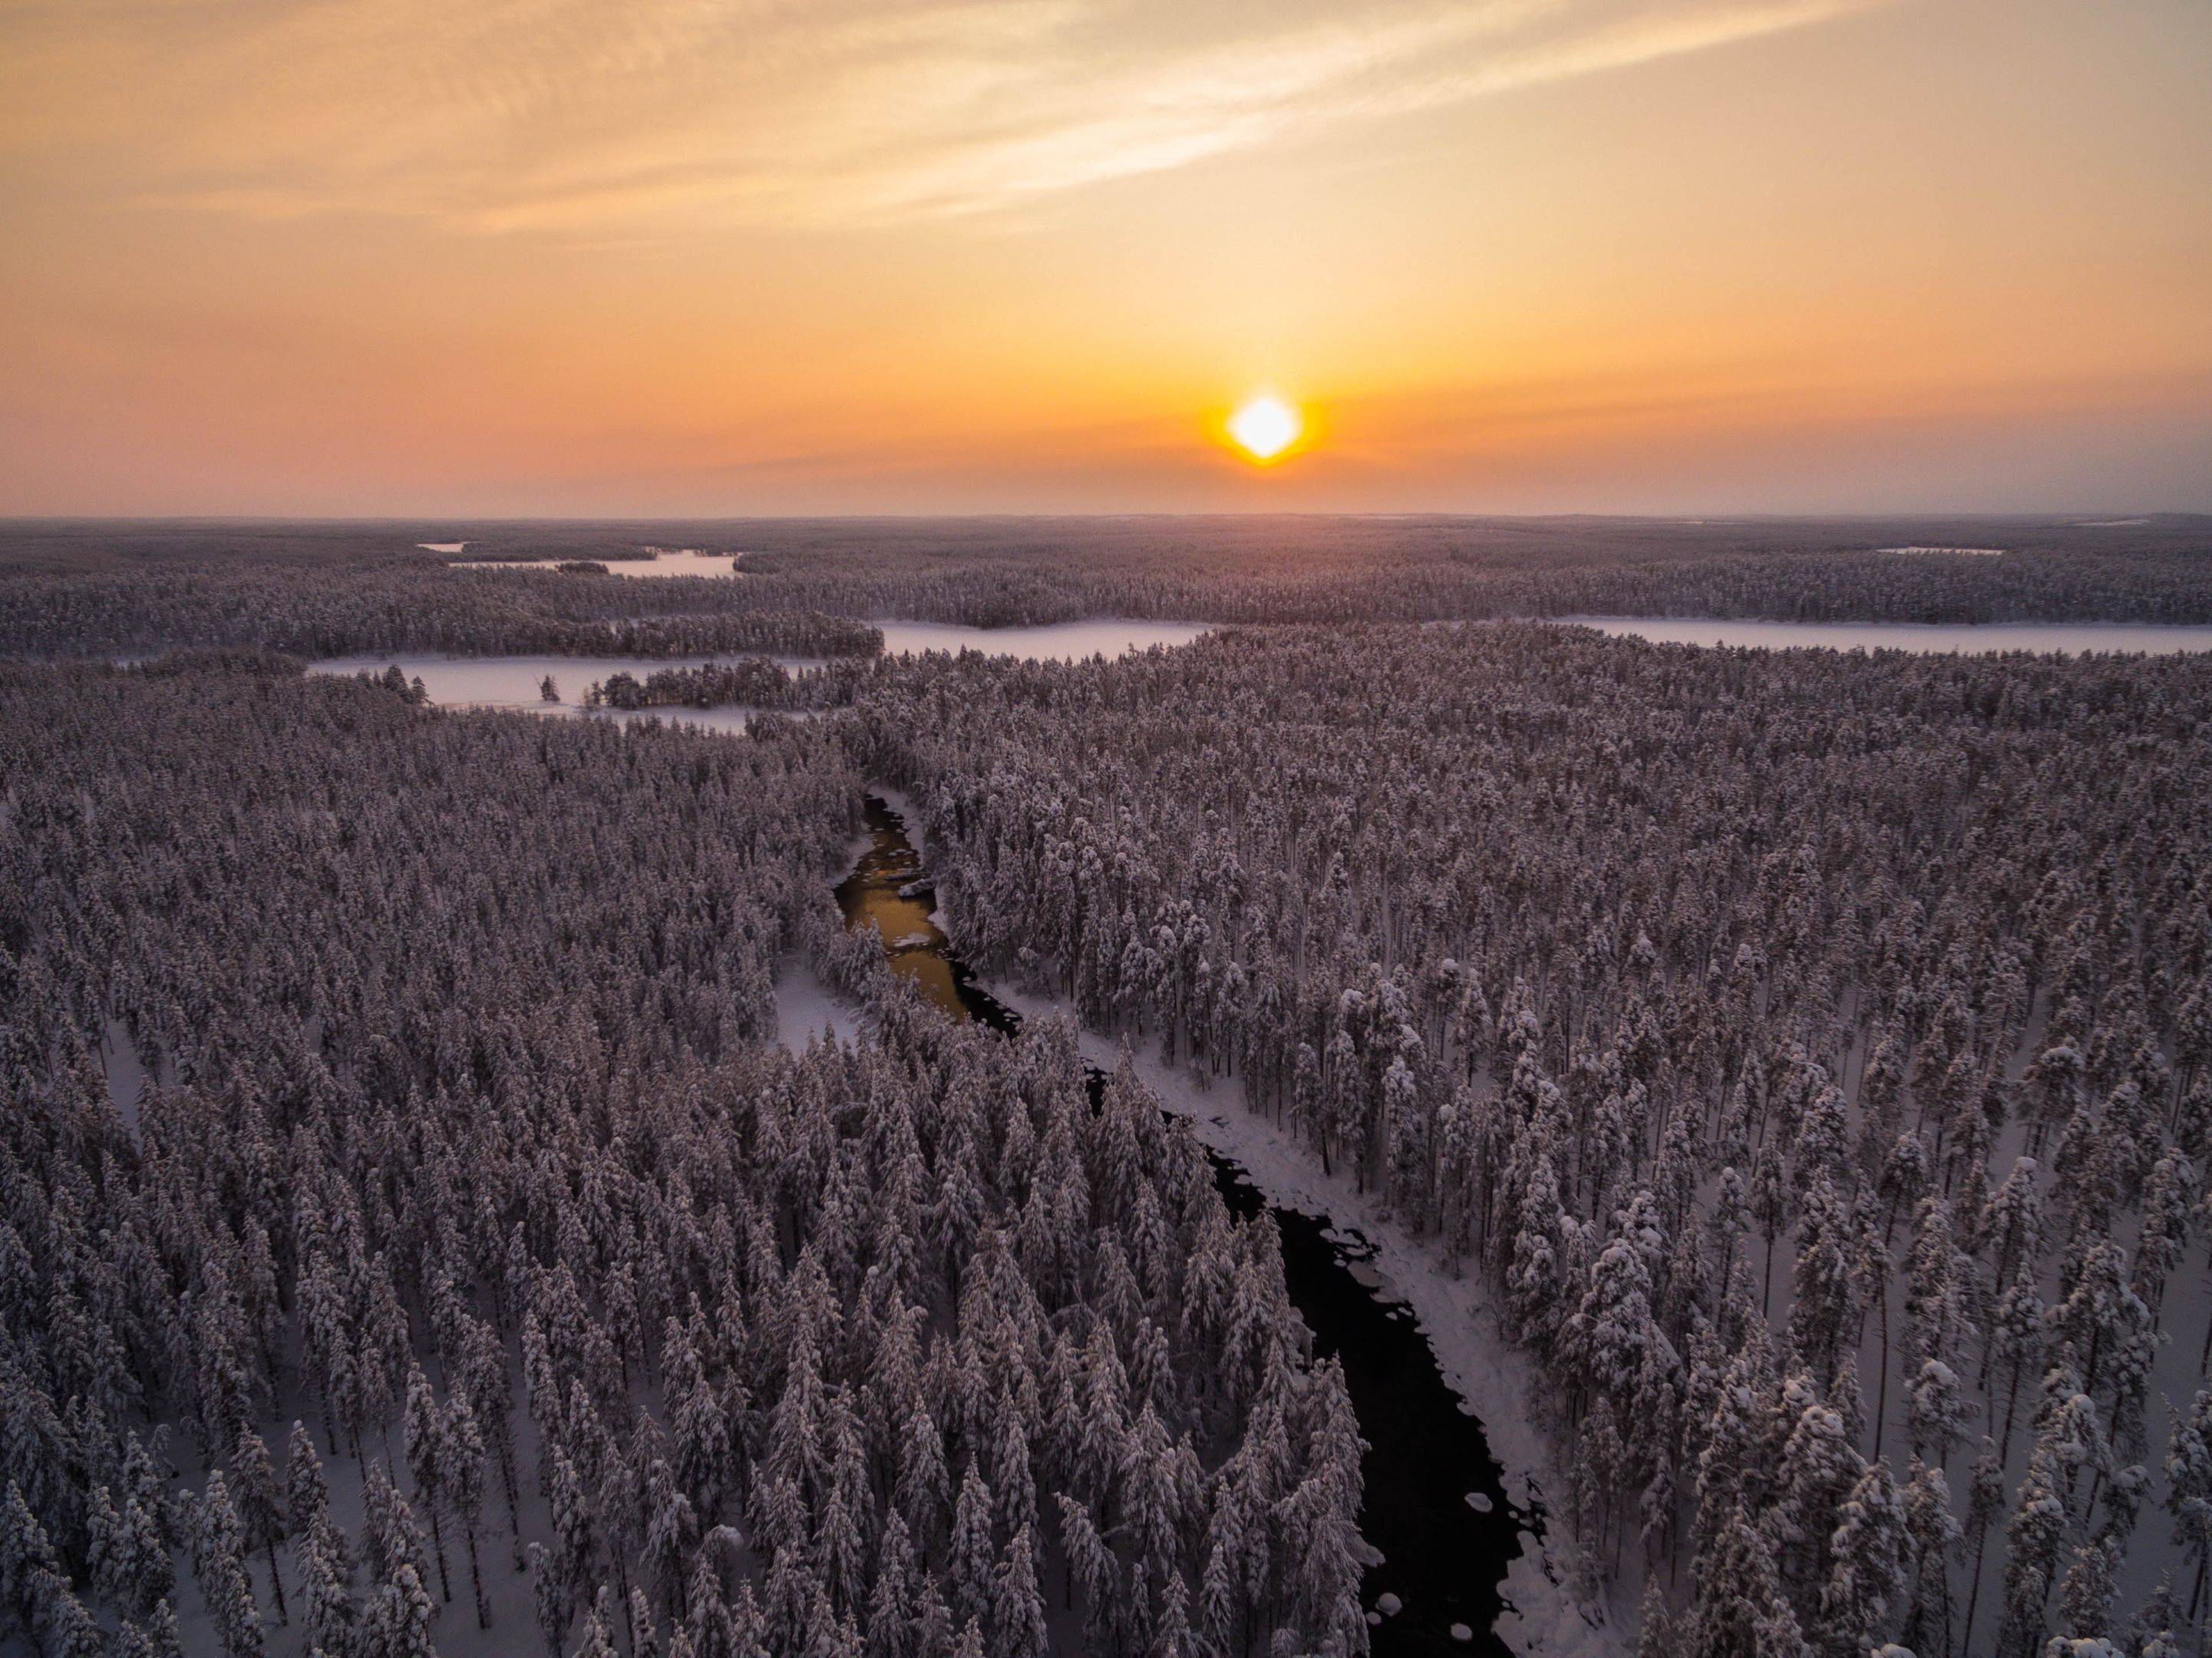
(91, 589)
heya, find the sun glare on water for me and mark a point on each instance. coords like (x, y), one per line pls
(1264, 428)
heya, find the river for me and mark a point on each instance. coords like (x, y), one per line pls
(1434, 1504)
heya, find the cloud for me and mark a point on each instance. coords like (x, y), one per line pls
(582, 115)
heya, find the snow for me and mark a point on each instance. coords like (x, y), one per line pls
(1944, 552)
(127, 1073)
(805, 1007)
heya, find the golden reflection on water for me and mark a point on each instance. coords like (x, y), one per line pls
(914, 945)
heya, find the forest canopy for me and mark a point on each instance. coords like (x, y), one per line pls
(421, 1231)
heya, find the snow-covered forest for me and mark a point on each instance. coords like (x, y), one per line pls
(411, 1244)
(1812, 1052)
(415, 1237)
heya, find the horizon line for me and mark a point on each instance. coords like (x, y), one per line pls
(2080, 517)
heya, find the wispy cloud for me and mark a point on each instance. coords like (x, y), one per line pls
(583, 114)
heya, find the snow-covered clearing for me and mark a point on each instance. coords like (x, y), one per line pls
(806, 1007)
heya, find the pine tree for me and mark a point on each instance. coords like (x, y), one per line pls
(924, 1486)
(702, 1447)
(1092, 1567)
(1608, 1334)
(1936, 1409)
(399, 1616)
(462, 1478)
(599, 1641)
(1324, 1568)
(672, 1533)
(1220, 1586)
(1742, 1610)
(1819, 1470)
(2085, 1598)
(1017, 1628)
(1984, 1501)
(551, 1598)
(1931, 1537)
(2189, 1490)
(971, 1563)
(27, 1560)
(260, 1508)
(1866, 1575)
(422, 1427)
(71, 1631)
(219, 1559)
(319, 1564)
(1655, 1634)
(306, 1492)
(2016, 1340)
(2034, 1534)
(130, 1559)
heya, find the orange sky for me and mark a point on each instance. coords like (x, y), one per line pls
(343, 256)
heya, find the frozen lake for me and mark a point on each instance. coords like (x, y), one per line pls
(1055, 641)
(512, 682)
(687, 561)
(2070, 638)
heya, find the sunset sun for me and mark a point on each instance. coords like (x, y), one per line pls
(1265, 427)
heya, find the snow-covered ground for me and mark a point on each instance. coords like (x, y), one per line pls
(806, 1007)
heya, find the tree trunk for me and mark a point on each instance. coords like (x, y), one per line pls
(438, 1548)
(475, 1577)
(504, 1433)
(2012, 1405)
(1974, 1595)
(1881, 1388)
(276, 1584)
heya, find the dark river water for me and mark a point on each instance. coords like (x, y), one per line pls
(1443, 1559)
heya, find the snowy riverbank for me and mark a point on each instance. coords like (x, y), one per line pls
(1493, 1379)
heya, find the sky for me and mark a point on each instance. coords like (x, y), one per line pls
(344, 258)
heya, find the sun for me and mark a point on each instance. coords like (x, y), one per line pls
(1265, 427)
